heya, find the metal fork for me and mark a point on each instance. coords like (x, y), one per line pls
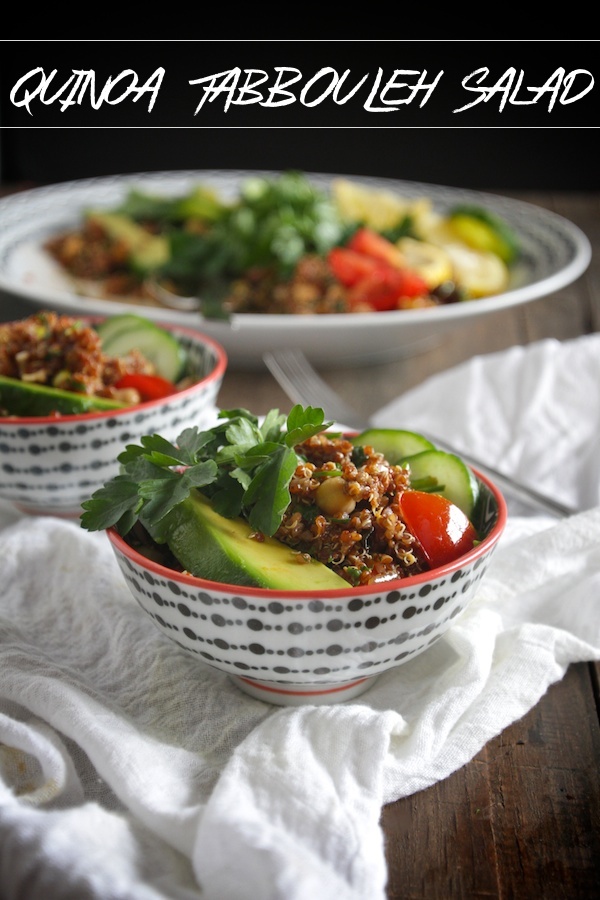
(295, 374)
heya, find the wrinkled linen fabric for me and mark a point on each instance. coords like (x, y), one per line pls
(129, 771)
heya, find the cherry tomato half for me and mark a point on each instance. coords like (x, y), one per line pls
(442, 529)
(149, 387)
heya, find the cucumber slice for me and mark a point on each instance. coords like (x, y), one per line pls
(123, 333)
(457, 483)
(20, 398)
(115, 324)
(395, 444)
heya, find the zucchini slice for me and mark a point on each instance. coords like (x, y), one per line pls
(123, 333)
(484, 230)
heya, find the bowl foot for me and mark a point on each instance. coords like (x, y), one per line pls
(59, 512)
(301, 694)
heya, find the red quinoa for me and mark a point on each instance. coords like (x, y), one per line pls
(63, 352)
(344, 512)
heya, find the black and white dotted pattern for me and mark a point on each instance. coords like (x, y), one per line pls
(295, 640)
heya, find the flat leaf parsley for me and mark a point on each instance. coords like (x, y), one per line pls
(244, 468)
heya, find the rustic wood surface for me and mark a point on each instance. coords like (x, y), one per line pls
(522, 819)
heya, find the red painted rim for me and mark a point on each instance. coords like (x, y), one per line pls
(367, 590)
(304, 693)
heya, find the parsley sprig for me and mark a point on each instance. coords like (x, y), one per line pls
(243, 466)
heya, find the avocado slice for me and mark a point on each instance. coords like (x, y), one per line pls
(211, 546)
(147, 252)
(23, 398)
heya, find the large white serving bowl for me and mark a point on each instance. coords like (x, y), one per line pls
(555, 253)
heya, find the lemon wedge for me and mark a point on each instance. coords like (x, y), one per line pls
(376, 208)
(433, 263)
(480, 272)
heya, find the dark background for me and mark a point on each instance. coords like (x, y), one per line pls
(520, 146)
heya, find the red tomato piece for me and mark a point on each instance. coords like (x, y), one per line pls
(149, 387)
(373, 274)
(350, 267)
(386, 287)
(381, 290)
(369, 242)
(412, 284)
(442, 529)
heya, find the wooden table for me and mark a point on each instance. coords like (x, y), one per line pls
(522, 819)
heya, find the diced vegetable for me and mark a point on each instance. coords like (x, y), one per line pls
(375, 272)
(149, 387)
(442, 529)
(373, 245)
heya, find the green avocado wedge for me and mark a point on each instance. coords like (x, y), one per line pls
(21, 398)
(210, 546)
(147, 251)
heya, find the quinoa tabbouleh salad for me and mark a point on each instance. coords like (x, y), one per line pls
(286, 246)
(294, 493)
(52, 364)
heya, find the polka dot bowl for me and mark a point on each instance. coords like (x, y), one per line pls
(307, 647)
(50, 465)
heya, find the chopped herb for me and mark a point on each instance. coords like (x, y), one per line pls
(242, 466)
(359, 457)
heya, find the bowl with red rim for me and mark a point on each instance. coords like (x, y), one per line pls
(291, 647)
(50, 464)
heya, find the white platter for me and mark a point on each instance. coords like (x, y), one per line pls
(555, 253)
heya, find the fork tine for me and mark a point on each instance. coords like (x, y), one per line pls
(303, 385)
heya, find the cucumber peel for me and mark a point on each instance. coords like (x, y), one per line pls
(395, 444)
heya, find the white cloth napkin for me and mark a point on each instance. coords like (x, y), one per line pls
(129, 771)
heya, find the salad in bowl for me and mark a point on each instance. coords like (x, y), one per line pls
(300, 561)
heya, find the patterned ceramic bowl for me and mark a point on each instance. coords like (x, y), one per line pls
(295, 647)
(50, 465)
